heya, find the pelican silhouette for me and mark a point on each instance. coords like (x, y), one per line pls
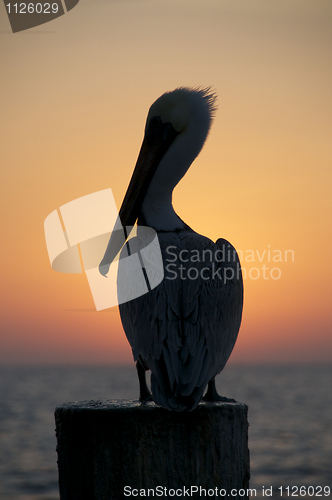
(184, 330)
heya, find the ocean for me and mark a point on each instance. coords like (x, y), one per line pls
(290, 422)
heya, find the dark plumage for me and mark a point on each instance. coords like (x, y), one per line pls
(183, 330)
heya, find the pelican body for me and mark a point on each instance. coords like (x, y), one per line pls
(184, 330)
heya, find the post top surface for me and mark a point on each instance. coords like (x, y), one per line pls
(135, 404)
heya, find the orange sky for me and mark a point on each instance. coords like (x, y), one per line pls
(74, 97)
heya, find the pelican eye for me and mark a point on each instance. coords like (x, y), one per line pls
(159, 131)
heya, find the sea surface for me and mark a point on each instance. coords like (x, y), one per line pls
(290, 417)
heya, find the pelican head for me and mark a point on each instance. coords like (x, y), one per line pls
(184, 108)
(176, 128)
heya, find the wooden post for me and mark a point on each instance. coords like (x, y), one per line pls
(120, 448)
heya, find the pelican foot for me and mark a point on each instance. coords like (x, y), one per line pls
(146, 398)
(213, 396)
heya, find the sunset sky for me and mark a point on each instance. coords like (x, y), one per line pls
(75, 93)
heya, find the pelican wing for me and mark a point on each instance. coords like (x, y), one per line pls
(185, 329)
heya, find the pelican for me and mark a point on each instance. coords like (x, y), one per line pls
(184, 330)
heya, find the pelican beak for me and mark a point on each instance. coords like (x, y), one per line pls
(158, 138)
